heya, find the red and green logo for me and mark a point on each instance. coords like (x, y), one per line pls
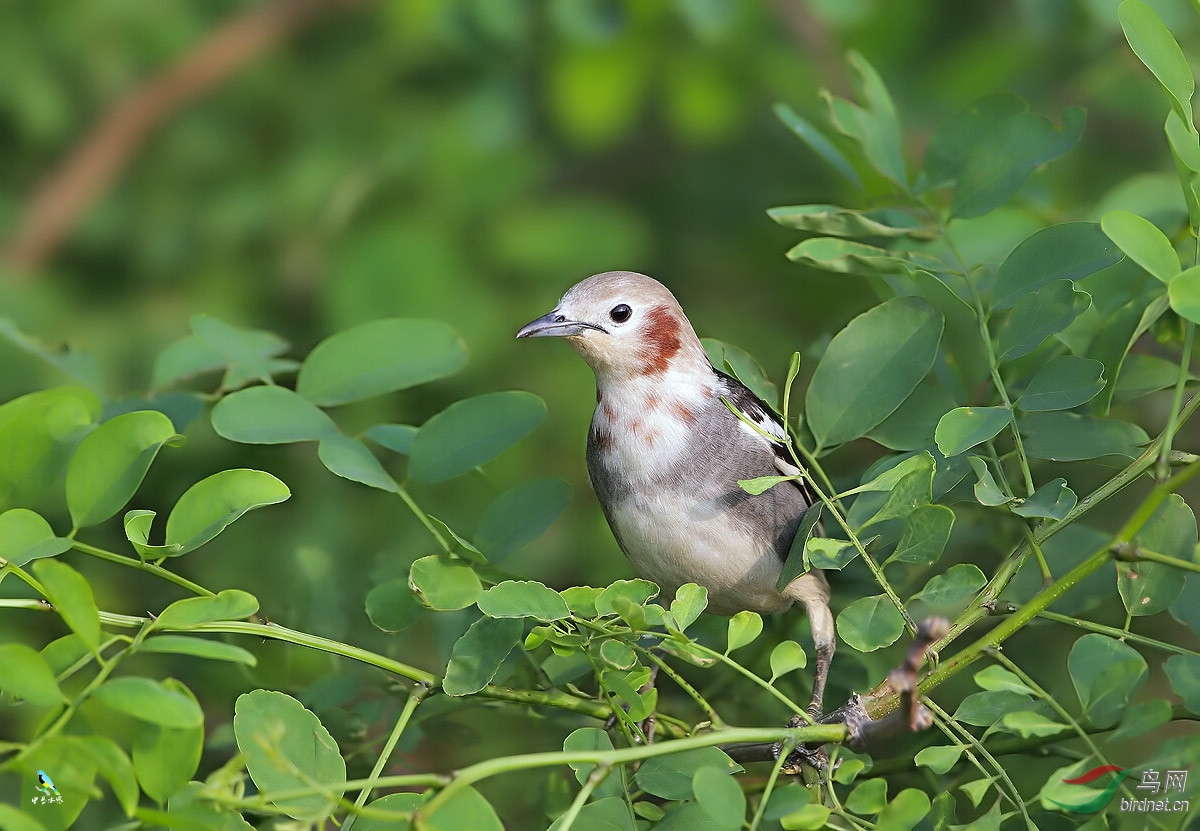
(1101, 799)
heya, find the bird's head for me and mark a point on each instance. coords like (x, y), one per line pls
(624, 325)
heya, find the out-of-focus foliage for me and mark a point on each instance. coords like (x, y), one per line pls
(465, 161)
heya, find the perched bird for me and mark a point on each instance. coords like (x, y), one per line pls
(44, 784)
(665, 454)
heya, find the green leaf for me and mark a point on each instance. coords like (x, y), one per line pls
(519, 516)
(1028, 723)
(870, 367)
(25, 674)
(797, 562)
(1141, 718)
(762, 484)
(392, 606)
(618, 654)
(465, 549)
(1067, 437)
(1152, 42)
(249, 347)
(1070, 251)
(926, 532)
(444, 584)
(165, 758)
(964, 427)
(670, 777)
(903, 813)
(208, 507)
(112, 763)
(350, 459)
(786, 657)
(817, 142)
(874, 127)
(911, 492)
(868, 797)
(478, 654)
(911, 426)
(888, 480)
(833, 221)
(1144, 374)
(466, 809)
(586, 740)
(987, 492)
(983, 709)
(1184, 293)
(827, 553)
(229, 604)
(111, 462)
(138, 525)
(184, 358)
(270, 415)
(25, 536)
(690, 600)
(1053, 500)
(720, 796)
(523, 598)
(870, 623)
(1148, 588)
(786, 800)
(940, 759)
(998, 678)
(472, 432)
(953, 143)
(37, 433)
(1142, 242)
(1066, 382)
(1184, 673)
(952, 589)
(71, 595)
(1106, 673)
(397, 438)
(998, 165)
(744, 627)
(976, 790)
(636, 591)
(198, 648)
(286, 749)
(151, 701)
(1039, 315)
(845, 257)
(378, 357)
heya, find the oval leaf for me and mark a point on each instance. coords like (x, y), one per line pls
(744, 627)
(444, 584)
(350, 459)
(71, 595)
(785, 657)
(1184, 292)
(166, 758)
(287, 748)
(1154, 45)
(870, 367)
(148, 700)
(269, 415)
(870, 623)
(109, 465)
(26, 536)
(1070, 251)
(964, 427)
(472, 432)
(1066, 382)
(25, 674)
(523, 598)
(208, 507)
(1106, 673)
(521, 515)
(477, 655)
(230, 604)
(1142, 242)
(378, 357)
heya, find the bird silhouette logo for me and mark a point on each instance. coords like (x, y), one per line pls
(45, 785)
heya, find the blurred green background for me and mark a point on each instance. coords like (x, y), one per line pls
(302, 167)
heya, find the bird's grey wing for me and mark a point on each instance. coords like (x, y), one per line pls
(759, 413)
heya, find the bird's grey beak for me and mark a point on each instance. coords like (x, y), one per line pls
(554, 325)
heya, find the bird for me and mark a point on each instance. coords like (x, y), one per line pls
(44, 784)
(665, 453)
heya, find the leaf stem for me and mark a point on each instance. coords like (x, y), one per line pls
(1114, 632)
(138, 565)
(414, 698)
(1163, 470)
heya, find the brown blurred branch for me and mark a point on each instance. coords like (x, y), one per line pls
(60, 199)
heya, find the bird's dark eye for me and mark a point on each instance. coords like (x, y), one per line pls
(620, 313)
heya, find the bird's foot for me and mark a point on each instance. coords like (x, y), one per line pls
(813, 756)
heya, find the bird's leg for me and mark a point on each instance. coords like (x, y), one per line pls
(821, 621)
